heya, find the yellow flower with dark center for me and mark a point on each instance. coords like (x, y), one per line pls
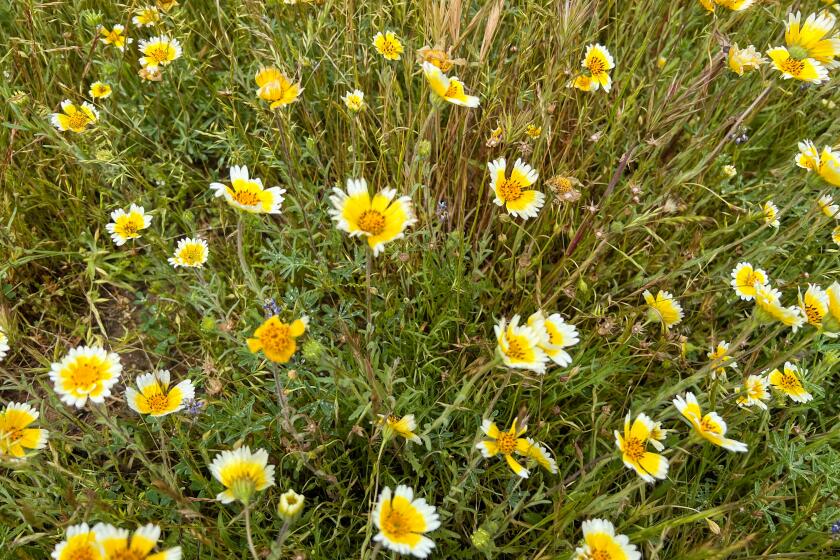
(115, 36)
(509, 443)
(99, 90)
(789, 382)
(85, 373)
(754, 392)
(155, 398)
(633, 446)
(710, 427)
(403, 522)
(512, 192)
(276, 88)
(811, 48)
(242, 473)
(519, 346)
(248, 193)
(75, 118)
(826, 163)
(388, 45)
(448, 89)
(80, 543)
(533, 131)
(159, 51)
(190, 253)
(119, 544)
(276, 339)
(16, 437)
(597, 62)
(403, 427)
(814, 305)
(663, 308)
(128, 225)
(380, 219)
(601, 543)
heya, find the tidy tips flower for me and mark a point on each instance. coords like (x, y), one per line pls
(826, 205)
(276, 88)
(814, 305)
(720, 358)
(75, 118)
(388, 45)
(120, 544)
(512, 192)
(16, 437)
(354, 100)
(663, 308)
(448, 89)
(80, 542)
(601, 543)
(743, 60)
(519, 345)
(242, 473)
(633, 446)
(191, 252)
(744, 279)
(99, 90)
(380, 219)
(811, 48)
(403, 521)
(85, 373)
(4, 344)
(710, 427)
(768, 301)
(248, 193)
(754, 392)
(291, 504)
(826, 163)
(555, 335)
(276, 339)
(155, 398)
(159, 51)
(508, 443)
(597, 62)
(128, 225)
(146, 16)
(404, 426)
(789, 382)
(771, 214)
(115, 36)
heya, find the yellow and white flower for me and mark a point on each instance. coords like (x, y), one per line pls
(191, 252)
(663, 308)
(768, 300)
(85, 373)
(403, 521)
(710, 427)
(519, 346)
(720, 358)
(814, 305)
(730, 171)
(354, 100)
(99, 90)
(291, 504)
(4, 344)
(448, 89)
(789, 382)
(276, 339)
(388, 45)
(242, 473)
(658, 435)
(826, 163)
(381, 219)
(120, 544)
(743, 60)
(16, 437)
(115, 36)
(754, 392)
(734, 5)
(835, 235)
(508, 443)
(512, 192)
(128, 225)
(80, 543)
(404, 426)
(146, 16)
(833, 293)
(597, 62)
(555, 335)
(159, 51)
(155, 398)
(810, 49)
(75, 118)
(601, 543)
(771, 214)
(633, 446)
(827, 206)
(248, 193)
(276, 88)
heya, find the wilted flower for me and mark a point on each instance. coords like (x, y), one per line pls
(495, 137)
(744, 60)
(730, 171)
(438, 57)
(276, 88)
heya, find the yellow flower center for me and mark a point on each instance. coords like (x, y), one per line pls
(159, 53)
(78, 120)
(126, 554)
(128, 226)
(86, 373)
(510, 190)
(372, 221)
(246, 198)
(707, 426)
(596, 66)
(84, 552)
(599, 554)
(813, 314)
(788, 382)
(506, 443)
(634, 448)
(276, 338)
(516, 350)
(158, 403)
(452, 90)
(792, 66)
(396, 524)
(192, 254)
(389, 48)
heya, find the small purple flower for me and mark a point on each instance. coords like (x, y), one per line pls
(271, 308)
(441, 211)
(194, 407)
(835, 528)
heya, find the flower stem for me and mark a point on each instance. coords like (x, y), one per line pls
(248, 532)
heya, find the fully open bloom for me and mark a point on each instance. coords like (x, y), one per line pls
(388, 45)
(512, 192)
(771, 214)
(74, 117)
(721, 359)
(711, 426)
(115, 36)
(826, 205)
(508, 443)
(789, 382)
(449, 89)
(663, 308)
(159, 51)
(248, 193)
(155, 398)
(146, 16)
(381, 219)
(276, 339)
(633, 446)
(825, 163)
(754, 392)
(85, 373)
(191, 252)
(354, 100)
(744, 279)
(519, 345)
(276, 88)
(814, 305)
(99, 90)
(4, 344)
(80, 543)
(404, 426)
(597, 62)
(16, 437)
(601, 543)
(555, 335)
(744, 60)
(768, 300)
(242, 473)
(810, 49)
(291, 504)
(120, 544)
(403, 521)
(128, 225)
